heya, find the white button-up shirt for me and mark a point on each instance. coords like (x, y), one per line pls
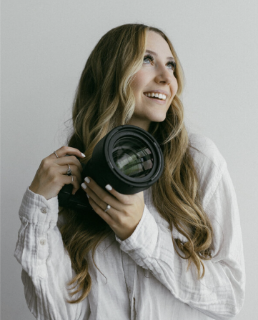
(141, 277)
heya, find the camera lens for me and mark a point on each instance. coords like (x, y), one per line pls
(128, 158)
(132, 157)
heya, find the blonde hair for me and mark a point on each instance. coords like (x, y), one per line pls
(103, 101)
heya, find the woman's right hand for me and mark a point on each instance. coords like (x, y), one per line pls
(51, 175)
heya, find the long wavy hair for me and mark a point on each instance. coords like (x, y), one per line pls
(105, 100)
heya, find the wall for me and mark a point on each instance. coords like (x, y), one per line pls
(45, 45)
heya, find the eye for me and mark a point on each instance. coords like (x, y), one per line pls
(172, 64)
(148, 57)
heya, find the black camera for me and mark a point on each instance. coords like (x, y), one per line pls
(128, 158)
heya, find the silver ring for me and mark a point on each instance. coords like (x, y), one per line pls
(72, 178)
(56, 154)
(107, 208)
(69, 171)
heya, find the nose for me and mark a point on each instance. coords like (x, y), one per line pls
(164, 75)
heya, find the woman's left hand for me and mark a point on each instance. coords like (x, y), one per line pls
(125, 212)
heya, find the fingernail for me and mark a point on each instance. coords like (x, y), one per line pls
(84, 185)
(108, 187)
(83, 154)
(87, 180)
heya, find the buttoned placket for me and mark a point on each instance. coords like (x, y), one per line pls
(130, 269)
(43, 240)
(44, 210)
(43, 248)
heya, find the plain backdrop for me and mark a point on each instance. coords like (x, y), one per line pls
(45, 45)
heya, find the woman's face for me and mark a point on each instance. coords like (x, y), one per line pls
(155, 76)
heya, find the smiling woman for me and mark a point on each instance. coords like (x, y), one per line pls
(173, 251)
(155, 84)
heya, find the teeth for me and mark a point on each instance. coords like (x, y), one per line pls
(156, 95)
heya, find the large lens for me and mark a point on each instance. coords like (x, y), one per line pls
(128, 158)
(132, 157)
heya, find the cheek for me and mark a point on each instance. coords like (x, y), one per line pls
(174, 87)
(138, 82)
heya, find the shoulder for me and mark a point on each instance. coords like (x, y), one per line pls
(209, 164)
(205, 152)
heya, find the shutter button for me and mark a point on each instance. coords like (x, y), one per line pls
(42, 242)
(43, 210)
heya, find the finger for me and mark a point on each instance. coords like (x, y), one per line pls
(97, 199)
(71, 160)
(106, 216)
(62, 163)
(101, 196)
(75, 172)
(70, 180)
(63, 151)
(124, 198)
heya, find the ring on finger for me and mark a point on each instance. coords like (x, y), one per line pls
(69, 171)
(107, 208)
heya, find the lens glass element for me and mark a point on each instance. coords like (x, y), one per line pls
(132, 156)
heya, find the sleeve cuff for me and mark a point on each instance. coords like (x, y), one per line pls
(142, 241)
(37, 209)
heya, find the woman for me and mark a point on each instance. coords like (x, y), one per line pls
(173, 251)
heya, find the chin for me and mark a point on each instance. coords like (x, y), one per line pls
(158, 119)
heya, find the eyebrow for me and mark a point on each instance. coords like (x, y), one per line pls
(155, 54)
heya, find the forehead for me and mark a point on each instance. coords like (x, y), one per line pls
(155, 42)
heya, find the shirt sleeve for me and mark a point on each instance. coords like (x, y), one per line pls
(46, 265)
(220, 293)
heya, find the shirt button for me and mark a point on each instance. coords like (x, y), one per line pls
(43, 210)
(42, 241)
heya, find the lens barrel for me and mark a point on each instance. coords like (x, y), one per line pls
(128, 158)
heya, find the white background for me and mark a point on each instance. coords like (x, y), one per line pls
(45, 45)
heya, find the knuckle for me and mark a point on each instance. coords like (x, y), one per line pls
(51, 171)
(120, 220)
(125, 212)
(45, 163)
(45, 166)
(105, 198)
(126, 200)
(73, 158)
(55, 179)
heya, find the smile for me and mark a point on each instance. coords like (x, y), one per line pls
(154, 95)
(156, 100)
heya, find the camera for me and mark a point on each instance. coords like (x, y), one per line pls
(128, 158)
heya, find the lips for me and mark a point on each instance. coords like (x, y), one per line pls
(156, 95)
(156, 100)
